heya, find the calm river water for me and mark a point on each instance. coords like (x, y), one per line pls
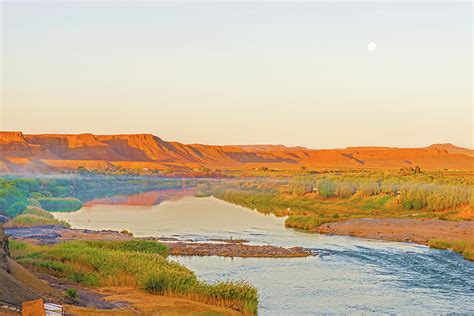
(349, 275)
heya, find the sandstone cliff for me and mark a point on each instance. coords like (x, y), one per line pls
(49, 152)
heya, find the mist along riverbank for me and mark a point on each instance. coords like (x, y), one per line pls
(350, 275)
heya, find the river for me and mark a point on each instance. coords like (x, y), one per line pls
(348, 275)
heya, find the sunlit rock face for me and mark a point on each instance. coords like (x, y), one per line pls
(146, 151)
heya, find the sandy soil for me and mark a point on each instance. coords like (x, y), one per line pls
(139, 303)
(405, 230)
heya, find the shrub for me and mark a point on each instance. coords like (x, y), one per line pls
(16, 208)
(369, 189)
(326, 188)
(305, 222)
(344, 190)
(156, 284)
(60, 204)
(71, 293)
(300, 187)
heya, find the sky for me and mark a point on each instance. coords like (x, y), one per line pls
(241, 73)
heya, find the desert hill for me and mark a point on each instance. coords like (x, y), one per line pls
(51, 152)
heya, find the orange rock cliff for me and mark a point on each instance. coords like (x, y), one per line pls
(49, 152)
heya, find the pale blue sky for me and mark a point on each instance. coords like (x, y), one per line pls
(283, 73)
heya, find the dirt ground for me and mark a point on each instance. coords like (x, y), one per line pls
(137, 302)
(405, 230)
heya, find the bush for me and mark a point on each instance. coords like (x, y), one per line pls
(156, 284)
(87, 278)
(305, 222)
(300, 187)
(60, 204)
(71, 293)
(344, 190)
(326, 188)
(3, 204)
(16, 208)
(369, 189)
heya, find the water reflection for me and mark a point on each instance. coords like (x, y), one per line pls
(187, 216)
(142, 199)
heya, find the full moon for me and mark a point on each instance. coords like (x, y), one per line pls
(372, 47)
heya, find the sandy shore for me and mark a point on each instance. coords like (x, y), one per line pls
(405, 230)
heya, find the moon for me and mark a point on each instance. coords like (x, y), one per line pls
(372, 47)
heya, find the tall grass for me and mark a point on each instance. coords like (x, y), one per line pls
(143, 246)
(306, 222)
(139, 264)
(350, 194)
(35, 216)
(464, 247)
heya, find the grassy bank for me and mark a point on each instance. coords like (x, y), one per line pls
(141, 264)
(67, 193)
(464, 247)
(35, 216)
(313, 199)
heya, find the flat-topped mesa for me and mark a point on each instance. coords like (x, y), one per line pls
(83, 140)
(136, 137)
(68, 140)
(145, 151)
(444, 146)
(148, 144)
(11, 137)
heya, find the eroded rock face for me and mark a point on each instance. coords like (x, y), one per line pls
(12, 291)
(138, 151)
(11, 137)
(4, 252)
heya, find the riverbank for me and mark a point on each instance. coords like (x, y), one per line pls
(42, 235)
(419, 231)
(434, 233)
(432, 209)
(140, 264)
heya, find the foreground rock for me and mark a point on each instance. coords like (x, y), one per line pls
(405, 230)
(18, 284)
(54, 234)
